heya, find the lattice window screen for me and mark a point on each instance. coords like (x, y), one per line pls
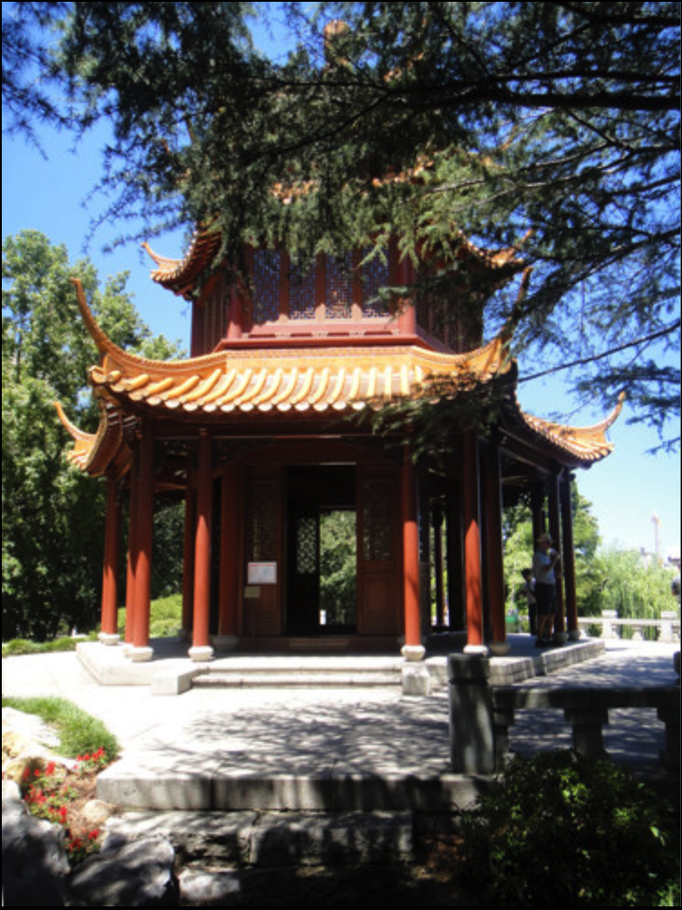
(302, 293)
(374, 276)
(306, 544)
(339, 280)
(266, 284)
(262, 521)
(377, 520)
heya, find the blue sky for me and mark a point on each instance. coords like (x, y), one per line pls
(48, 194)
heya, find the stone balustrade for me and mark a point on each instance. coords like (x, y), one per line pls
(667, 625)
(481, 714)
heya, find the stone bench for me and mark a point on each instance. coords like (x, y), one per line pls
(481, 714)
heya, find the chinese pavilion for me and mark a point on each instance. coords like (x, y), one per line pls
(258, 431)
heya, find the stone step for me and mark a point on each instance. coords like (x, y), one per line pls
(138, 783)
(225, 678)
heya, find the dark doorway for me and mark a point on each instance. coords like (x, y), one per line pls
(322, 550)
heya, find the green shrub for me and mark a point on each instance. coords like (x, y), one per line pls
(165, 617)
(559, 829)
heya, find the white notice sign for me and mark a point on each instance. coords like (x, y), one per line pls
(262, 573)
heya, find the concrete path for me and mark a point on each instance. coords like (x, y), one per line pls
(215, 745)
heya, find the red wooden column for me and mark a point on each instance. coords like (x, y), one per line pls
(201, 648)
(413, 649)
(132, 550)
(112, 532)
(494, 549)
(142, 552)
(568, 561)
(555, 534)
(472, 544)
(229, 558)
(537, 499)
(188, 556)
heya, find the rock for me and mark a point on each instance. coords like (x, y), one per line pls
(26, 745)
(96, 813)
(28, 726)
(124, 874)
(209, 888)
(34, 861)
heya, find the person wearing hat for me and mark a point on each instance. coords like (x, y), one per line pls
(545, 560)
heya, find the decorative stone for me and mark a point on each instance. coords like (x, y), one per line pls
(96, 812)
(34, 860)
(209, 889)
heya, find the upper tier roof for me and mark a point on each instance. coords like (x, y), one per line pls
(181, 275)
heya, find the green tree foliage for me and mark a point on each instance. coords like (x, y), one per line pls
(419, 119)
(633, 587)
(519, 547)
(52, 516)
(338, 567)
(606, 579)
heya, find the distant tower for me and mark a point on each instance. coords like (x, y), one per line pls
(657, 536)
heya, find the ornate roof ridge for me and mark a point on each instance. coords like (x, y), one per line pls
(585, 443)
(179, 275)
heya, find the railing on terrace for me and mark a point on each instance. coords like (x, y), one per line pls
(481, 714)
(611, 626)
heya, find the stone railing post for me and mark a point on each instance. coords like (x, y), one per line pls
(609, 628)
(637, 630)
(472, 739)
(665, 628)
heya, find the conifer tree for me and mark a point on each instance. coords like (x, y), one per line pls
(553, 127)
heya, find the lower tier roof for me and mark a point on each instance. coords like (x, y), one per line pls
(297, 384)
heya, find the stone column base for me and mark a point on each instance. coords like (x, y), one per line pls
(481, 650)
(201, 653)
(225, 642)
(139, 655)
(498, 648)
(413, 652)
(106, 638)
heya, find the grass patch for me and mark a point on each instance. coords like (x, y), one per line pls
(19, 646)
(78, 731)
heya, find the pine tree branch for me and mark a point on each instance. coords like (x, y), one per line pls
(623, 347)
